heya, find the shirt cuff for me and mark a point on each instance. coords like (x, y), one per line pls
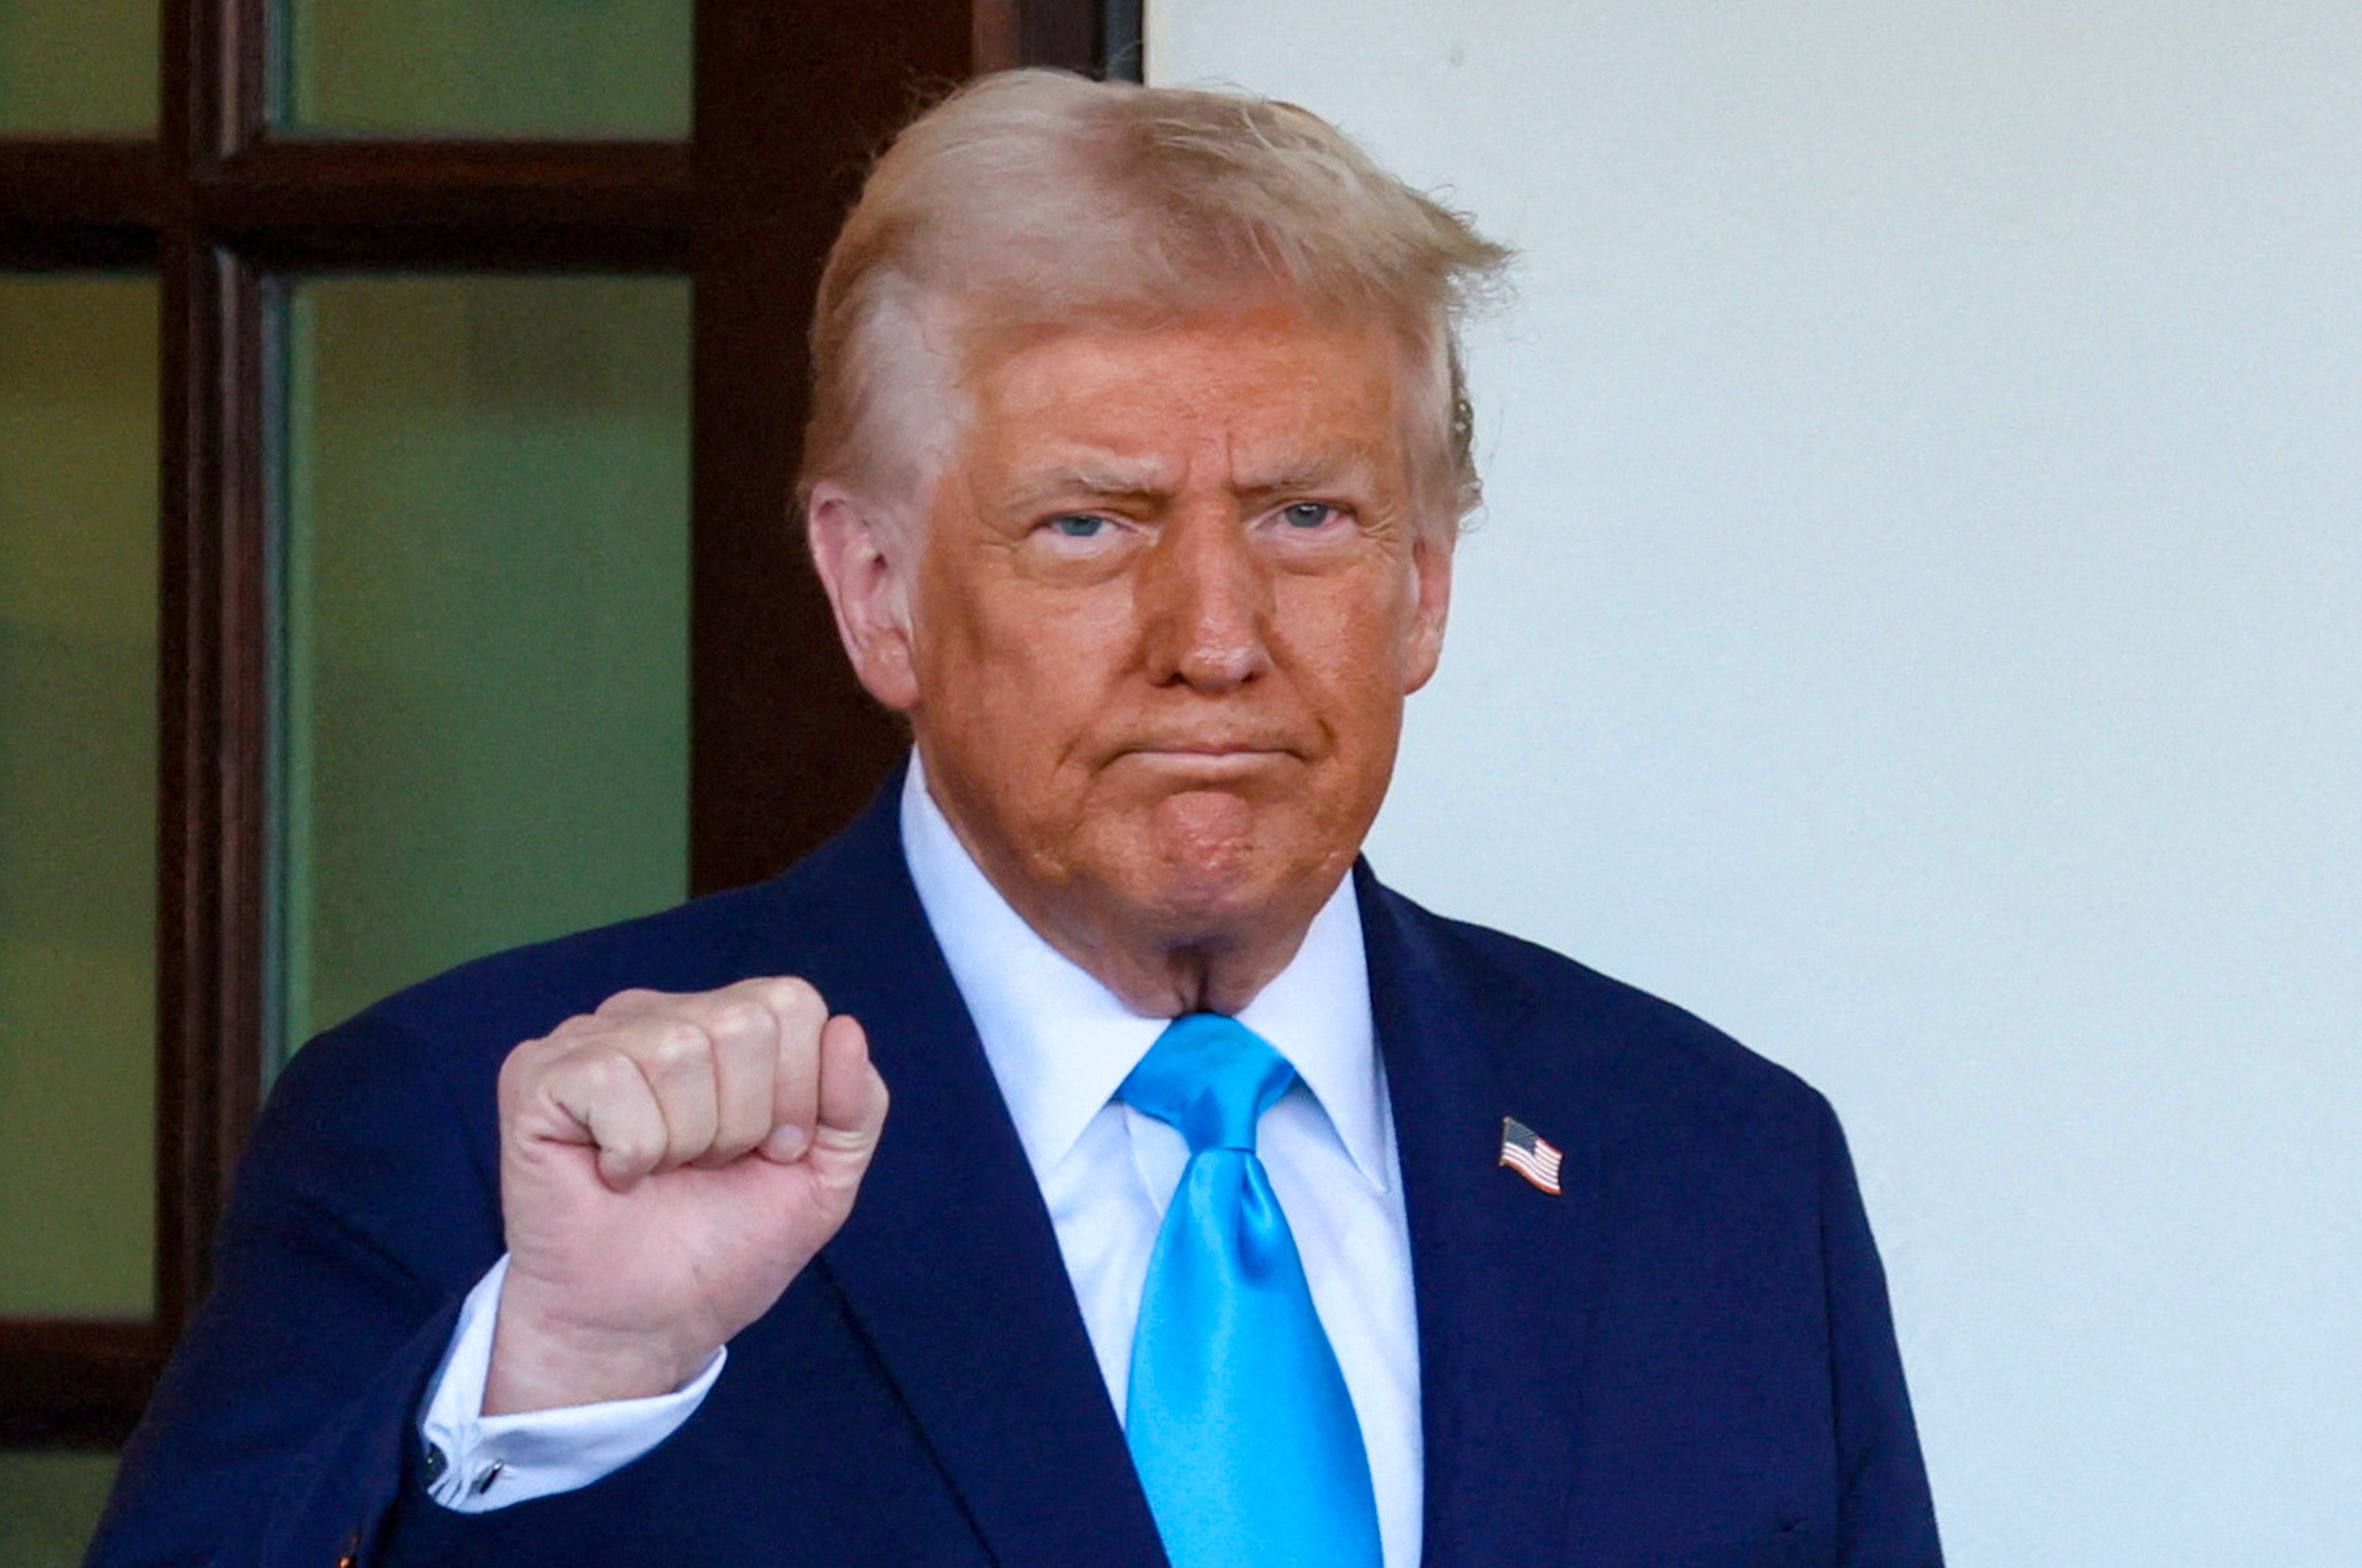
(475, 1463)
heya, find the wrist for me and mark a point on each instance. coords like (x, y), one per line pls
(539, 1363)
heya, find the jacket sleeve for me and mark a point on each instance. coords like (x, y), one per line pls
(1885, 1516)
(365, 1209)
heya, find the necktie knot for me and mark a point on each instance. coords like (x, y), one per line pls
(1211, 1078)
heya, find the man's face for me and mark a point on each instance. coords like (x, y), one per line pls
(1171, 598)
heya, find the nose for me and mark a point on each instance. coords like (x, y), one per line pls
(1205, 599)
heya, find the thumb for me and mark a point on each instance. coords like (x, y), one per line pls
(851, 1100)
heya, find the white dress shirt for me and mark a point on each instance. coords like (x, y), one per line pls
(1060, 1044)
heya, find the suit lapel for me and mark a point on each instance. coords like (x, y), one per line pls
(949, 1262)
(1502, 1271)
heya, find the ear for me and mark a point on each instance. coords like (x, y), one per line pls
(868, 578)
(1430, 566)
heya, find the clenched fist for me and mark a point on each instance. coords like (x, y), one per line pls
(668, 1164)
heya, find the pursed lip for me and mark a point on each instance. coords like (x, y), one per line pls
(1259, 745)
(1205, 759)
(1206, 750)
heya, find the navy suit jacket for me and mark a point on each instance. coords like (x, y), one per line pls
(1684, 1361)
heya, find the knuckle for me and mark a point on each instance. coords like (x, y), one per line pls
(678, 1048)
(796, 1000)
(604, 1072)
(537, 1063)
(742, 1018)
(522, 1062)
(629, 999)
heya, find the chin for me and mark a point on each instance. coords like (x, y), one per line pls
(1212, 872)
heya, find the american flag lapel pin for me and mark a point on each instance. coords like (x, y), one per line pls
(1530, 1154)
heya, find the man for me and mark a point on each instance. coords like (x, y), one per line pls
(1232, 1209)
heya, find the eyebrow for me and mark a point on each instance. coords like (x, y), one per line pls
(1118, 480)
(1312, 473)
(1109, 481)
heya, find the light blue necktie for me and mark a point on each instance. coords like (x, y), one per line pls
(1238, 1415)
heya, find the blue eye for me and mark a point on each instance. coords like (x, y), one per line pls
(1078, 524)
(1307, 514)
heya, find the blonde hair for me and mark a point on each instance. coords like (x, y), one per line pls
(1034, 199)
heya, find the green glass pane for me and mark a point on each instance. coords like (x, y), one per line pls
(77, 599)
(485, 692)
(77, 67)
(50, 1505)
(487, 68)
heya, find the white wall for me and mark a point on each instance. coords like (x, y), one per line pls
(1918, 625)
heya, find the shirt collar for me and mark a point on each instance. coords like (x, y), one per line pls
(1060, 1042)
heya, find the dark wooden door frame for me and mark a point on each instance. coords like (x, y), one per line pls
(791, 102)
